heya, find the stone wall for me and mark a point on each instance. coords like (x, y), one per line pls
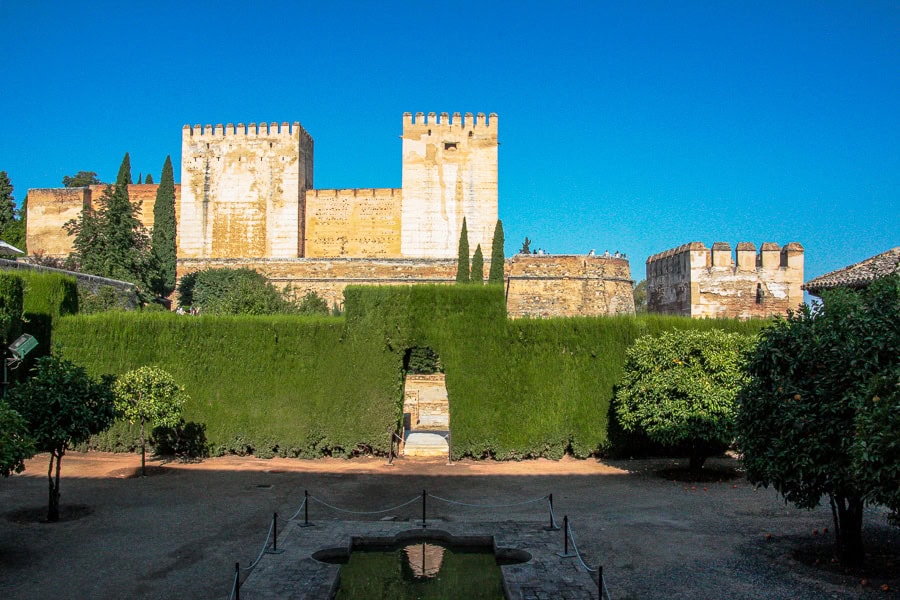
(449, 172)
(696, 281)
(353, 223)
(243, 189)
(329, 276)
(50, 209)
(554, 285)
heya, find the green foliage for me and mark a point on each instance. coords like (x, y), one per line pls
(62, 406)
(680, 387)
(51, 294)
(15, 445)
(81, 179)
(462, 264)
(111, 241)
(149, 395)
(7, 202)
(422, 361)
(805, 418)
(526, 246)
(163, 239)
(312, 304)
(149, 178)
(640, 297)
(11, 303)
(477, 266)
(498, 260)
(876, 447)
(272, 385)
(105, 298)
(308, 386)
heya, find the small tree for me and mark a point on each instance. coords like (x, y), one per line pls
(81, 179)
(149, 396)
(15, 445)
(680, 388)
(7, 202)
(498, 260)
(477, 266)
(462, 264)
(640, 296)
(163, 240)
(62, 406)
(526, 246)
(148, 179)
(819, 416)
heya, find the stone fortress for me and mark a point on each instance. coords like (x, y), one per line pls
(695, 281)
(247, 199)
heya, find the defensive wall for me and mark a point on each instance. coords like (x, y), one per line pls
(567, 285)
(49, 209)
(246, 199)
(696, 281)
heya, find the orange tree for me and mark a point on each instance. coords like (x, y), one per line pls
(819, 417)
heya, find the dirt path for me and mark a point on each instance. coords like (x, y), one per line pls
(177, 533)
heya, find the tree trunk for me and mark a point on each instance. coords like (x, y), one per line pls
(848, 532)
(696, 461)
(143, 451)
(53, 504)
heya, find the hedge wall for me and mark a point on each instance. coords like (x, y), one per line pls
(309, 386)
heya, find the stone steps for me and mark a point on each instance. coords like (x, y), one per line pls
(426, 444)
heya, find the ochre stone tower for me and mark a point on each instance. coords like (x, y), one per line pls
(243, 190)
(449, 172)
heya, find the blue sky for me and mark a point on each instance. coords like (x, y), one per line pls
(630, 126)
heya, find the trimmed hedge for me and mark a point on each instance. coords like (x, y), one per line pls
(307, 386)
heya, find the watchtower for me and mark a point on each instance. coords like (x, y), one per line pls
(243, 190)
(449, 173)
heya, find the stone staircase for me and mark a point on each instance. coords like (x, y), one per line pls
(426, 412)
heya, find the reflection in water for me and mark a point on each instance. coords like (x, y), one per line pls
(424, 559)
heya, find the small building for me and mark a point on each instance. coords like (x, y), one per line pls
(695, 281)
(858, 275)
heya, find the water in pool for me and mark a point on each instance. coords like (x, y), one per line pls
(421, 571)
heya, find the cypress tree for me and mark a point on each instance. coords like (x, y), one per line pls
(140, 178)
(148, 178)
(497, 258)
(7, 202)
(163, 240)
(478, 266)
(462, 266)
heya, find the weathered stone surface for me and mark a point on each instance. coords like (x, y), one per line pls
(353, 223)
(565, 285)
(693, 280)
(449, 172)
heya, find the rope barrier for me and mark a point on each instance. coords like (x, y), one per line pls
(234, 586)
(365, 512)
(552, 517)
(298, 510)
(261, 552)
(577, 553)
(448, 501)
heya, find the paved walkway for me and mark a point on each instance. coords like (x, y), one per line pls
(295, 575)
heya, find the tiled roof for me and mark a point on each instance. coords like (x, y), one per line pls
(858, 275)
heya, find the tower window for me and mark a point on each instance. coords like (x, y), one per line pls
(449, 145)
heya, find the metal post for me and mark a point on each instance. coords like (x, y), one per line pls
(552, 526)
(565, 553)
(237, 581)
(600, 582)
(274, 549)
(424, 496)
(306, 522)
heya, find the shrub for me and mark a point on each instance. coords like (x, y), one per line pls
(680, 387)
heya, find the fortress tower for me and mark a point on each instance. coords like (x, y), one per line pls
(243, 190)
(449, 172)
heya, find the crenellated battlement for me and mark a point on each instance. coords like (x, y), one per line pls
(744, 258)
(253, 130)
(458, 120)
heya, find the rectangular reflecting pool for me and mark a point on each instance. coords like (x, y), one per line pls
(421, 570)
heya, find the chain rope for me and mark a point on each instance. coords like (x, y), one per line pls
(302, 504)
(552, 516)
(235, 585)
(448, 501)
(261, 552)
(365, 512)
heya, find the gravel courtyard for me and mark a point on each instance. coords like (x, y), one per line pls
(178, 532)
